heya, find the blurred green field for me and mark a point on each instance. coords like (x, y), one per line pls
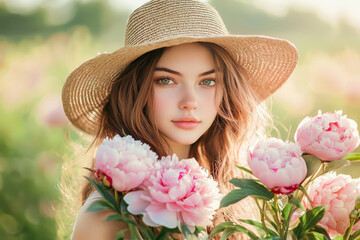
(36, 55)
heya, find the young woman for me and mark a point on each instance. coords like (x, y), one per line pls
(183, 85)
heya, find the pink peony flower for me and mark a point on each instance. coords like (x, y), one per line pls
(50, 112)
(338, 194)
(125, 162)
(176, 192)
(328, 136)
(277, 164)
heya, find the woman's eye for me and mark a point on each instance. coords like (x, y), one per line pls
(208, 82)
(165, 81)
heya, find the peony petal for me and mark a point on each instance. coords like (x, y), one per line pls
(136, 203)
(159, 214)
(147, 220)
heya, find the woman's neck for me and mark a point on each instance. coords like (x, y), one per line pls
(181, 151)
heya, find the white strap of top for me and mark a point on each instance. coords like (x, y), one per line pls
(94, 195)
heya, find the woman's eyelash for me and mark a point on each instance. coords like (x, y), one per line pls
(213, 80)
(159, 79)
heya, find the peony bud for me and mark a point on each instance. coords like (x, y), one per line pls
(124, 162)
(328, 136)
(357, 203)
(103, 178)
(354, 214)
(278, 165)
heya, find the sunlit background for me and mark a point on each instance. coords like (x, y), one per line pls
(42, 41)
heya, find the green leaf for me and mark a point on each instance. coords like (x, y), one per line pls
(252, 235)
(104, 193)
(185, 230)
(352, 157)
(247, 183)
(165, 232)
(227, 233)
(233, 197)
(230, 228)
(221, 227)
(310, 236)
(100, 205)
(335, 164)
(338, 238)
(117, 217)
(273, 224)
(133, 233)
(273, 208)
(120, 235)
(259, 226)
(313, 216)
(272, 238)
(354, 235)
(286, 211)
(319, 230)
(245, 169)
(319, 236)
(198, 230)
(312, 164)
(123, 207)
(309, 220)
(297, 203)
(248, 187)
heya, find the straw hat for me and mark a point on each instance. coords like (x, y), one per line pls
(164, 23)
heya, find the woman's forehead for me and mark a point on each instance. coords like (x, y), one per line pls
(189, 57)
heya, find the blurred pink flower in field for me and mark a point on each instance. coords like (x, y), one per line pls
(30, 79)
(50, 111)
(353, 90)
(176, 192)
(278, 164)
(127, 162)
(328, 136)
(338, 194)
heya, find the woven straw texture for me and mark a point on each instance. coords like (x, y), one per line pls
(267, 61)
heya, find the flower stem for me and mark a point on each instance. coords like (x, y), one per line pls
(276, 216)
(348, 230)
(316, 174)
(117, 197)
(300, 194)
(133, 230)
(286, 229)
(262, 211)
(307, 196)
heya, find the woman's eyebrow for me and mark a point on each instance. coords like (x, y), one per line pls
(179, 74)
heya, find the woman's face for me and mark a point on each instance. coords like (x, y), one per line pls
(184, 102)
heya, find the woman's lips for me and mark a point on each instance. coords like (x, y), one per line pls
(186, 122)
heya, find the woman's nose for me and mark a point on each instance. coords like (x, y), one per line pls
(188, 100)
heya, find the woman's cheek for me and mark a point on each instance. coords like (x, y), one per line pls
(163, 100)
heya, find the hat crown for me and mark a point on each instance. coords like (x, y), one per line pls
(160, 20)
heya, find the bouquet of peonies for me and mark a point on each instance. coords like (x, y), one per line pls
(155, 198)
(297, 194)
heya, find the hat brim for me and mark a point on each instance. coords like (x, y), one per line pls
(268, 63)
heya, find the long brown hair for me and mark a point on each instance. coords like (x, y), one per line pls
(240, 115)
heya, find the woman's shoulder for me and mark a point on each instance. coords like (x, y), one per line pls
(93, 225)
